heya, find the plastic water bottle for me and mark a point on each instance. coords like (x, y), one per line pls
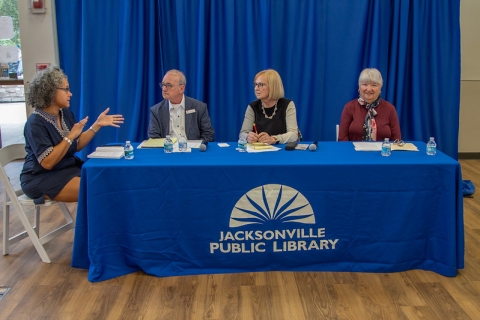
(431, 147)
(128, 150)
(168, 145)
(386, 148)
(242, 145)
(182, 143)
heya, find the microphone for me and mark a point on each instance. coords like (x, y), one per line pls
(313, 146)
(203, 146)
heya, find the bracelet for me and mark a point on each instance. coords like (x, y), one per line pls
(68, 140)
(91, 128)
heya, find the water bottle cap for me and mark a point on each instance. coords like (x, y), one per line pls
(128, 142)
(431, 138)
(386, 139)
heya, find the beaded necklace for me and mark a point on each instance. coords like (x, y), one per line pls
(274, 111)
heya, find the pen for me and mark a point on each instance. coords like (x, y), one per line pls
(255, 128)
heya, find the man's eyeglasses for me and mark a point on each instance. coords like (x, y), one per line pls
(258, 84)
(67, 89)
(399, 143)
(168, 86)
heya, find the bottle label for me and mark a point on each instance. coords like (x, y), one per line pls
(242, 145)
(182, 146)
(168, 147)
(386, 150)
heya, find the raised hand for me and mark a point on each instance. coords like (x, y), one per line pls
(77, 128)
(109, 120)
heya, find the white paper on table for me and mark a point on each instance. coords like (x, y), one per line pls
(194, 143)
(223, 145)
(175, 149)
(251, 150)
(368, 146)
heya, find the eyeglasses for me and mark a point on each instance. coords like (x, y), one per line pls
(168, 86)
(67, 89)
(399, 143)
(259, 84)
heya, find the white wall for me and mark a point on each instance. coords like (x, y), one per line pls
(38, 39)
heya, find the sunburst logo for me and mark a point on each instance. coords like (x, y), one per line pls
(272, 204)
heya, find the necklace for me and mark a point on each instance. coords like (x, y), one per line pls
(274, 111)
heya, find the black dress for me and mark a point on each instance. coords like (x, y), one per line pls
(42, 133)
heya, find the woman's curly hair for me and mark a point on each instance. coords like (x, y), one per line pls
(43, 87)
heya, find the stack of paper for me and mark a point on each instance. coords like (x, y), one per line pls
(368, 146)
(405, 147)
(377, 146)
(107, 153)
(260, 147)
(154, 143)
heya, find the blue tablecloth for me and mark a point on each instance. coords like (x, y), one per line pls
(221, 211)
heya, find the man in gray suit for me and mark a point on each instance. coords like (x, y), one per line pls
(179, 114)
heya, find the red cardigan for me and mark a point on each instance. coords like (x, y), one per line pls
(353, 117)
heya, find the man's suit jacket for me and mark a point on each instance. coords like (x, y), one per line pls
(197, 122)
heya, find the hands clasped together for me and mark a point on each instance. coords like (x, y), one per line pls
(261, 137)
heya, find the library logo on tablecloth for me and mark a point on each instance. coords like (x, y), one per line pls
(281, 213)
(271, 203)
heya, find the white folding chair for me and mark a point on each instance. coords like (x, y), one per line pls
(17, 200)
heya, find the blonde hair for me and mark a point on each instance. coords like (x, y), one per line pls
(274, 83)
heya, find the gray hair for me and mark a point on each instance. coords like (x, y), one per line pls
(370, 75)
(43, 87)
(181, 77)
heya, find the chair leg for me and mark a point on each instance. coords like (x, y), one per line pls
(32, 231)
(36, 220)
(66, 213)
(28, 230)
(64, 228)
(7, 240)
(6, 226)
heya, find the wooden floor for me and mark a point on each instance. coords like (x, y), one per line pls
(57, 291)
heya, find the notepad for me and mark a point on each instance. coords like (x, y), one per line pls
(259, 146)
(406, 147)
(377, 146)
(154, 143)
(107, 153)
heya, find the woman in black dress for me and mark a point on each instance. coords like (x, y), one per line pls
(271, 118)
(52, 136)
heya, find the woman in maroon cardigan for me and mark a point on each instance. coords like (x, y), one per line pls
(369, 118)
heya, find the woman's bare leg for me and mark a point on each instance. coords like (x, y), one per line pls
(69, 193)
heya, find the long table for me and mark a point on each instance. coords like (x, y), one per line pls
(222, 211)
